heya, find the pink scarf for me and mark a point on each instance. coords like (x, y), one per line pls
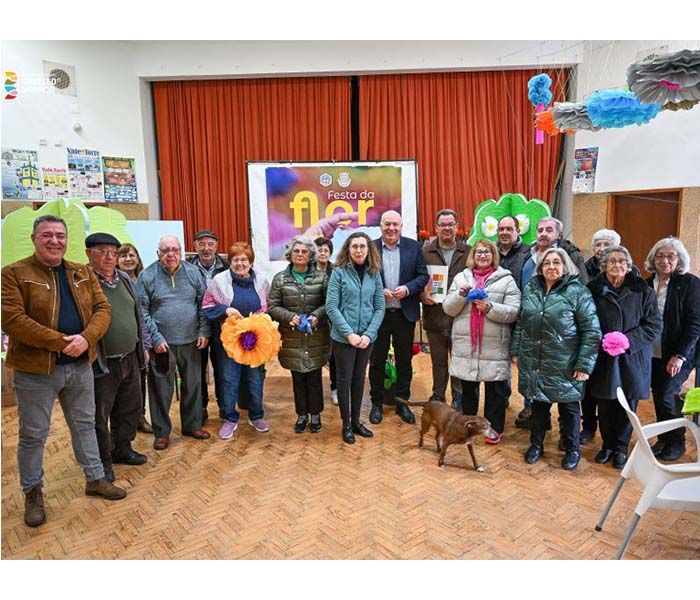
(477, 317)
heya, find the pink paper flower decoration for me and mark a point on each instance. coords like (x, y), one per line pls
(615, 343)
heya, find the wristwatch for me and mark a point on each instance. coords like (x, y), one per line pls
(680, 357)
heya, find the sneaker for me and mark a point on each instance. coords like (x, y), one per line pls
(34, 513)
(228, 429)
(495, 439)
(260, 425)
(315, 426)
(334, 397)
(524, 417)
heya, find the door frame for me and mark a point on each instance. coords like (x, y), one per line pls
(610, 205)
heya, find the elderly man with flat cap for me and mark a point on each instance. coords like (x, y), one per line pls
(121, 356)
(210, 264)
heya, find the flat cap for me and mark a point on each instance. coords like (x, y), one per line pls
(95, 239)
(206, 233)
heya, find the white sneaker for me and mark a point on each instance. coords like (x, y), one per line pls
(334, 397)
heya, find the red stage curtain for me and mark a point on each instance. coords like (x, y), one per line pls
(207, 130)
(471, 133)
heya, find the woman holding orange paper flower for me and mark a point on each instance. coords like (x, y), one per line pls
(239, 292)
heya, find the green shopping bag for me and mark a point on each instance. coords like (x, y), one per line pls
(691, 405)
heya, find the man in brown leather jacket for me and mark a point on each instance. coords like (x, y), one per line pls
(55, 312)
(444, 250)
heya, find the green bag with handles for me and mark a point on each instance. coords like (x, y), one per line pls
(692, 402)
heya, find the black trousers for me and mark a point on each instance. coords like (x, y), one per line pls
(308, 392)
(569, 423)
(351, 367)
(397, 328)
(331, 368)
(497, 394)
(615, 427)
(440, 351)
(216, 350)
(666, 393)
(118, 406)
(589, 409)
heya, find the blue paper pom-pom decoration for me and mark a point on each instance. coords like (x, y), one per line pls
(305, 324)
(538, 90)
(619, 108)
(280, 180)
(477, 294)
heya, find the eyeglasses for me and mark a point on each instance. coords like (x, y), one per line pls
(552, 263)
(617, 261)
(669, 257)
(446, 225)
(107, 253)
(482, 252)
(169, 250)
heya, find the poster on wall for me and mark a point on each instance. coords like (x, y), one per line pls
(55, 183)
(85, 174)
(329, 200)
(120, 179)
(585, 164)
(21, 177)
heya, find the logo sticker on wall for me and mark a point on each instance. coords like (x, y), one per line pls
(10, 85)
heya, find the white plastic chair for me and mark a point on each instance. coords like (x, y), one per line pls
(671, 487)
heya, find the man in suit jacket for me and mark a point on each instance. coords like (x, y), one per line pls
(405, 276)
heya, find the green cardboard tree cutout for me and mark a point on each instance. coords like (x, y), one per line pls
(489, 212)
(81, 222)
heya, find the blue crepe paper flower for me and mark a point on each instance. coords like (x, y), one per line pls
(619, 108)
(280, 180)
(305, 324)
(476, 294)
(538, 89)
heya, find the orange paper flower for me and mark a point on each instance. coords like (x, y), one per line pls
(545, 122)
(251, 341)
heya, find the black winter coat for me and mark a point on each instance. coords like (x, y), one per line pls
(634, 312)
(681, 318)
(514, 261)
(301, 352)
(555, 335)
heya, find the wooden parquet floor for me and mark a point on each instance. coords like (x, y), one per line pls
(282, 495)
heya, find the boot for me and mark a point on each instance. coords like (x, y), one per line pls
(104, 488)
(34, 513)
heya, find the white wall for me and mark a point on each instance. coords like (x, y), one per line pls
(664, 153)
(114, 100)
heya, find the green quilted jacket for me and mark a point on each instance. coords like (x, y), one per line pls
(555, 334)
(301, 352)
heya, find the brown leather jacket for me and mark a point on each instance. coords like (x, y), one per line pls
(30, 306)
(434, 318)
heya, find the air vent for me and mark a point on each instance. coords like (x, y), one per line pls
(61, 78)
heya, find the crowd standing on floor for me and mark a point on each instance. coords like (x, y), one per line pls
(89, 334)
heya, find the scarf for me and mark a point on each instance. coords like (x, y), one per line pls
(477, 317)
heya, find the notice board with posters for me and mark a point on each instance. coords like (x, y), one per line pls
(332, 200)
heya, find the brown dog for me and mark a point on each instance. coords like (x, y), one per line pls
(451, 427)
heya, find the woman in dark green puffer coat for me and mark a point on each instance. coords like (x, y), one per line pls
(300, 291)
(556, 340)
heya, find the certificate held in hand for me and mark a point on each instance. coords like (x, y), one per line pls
(437, 284)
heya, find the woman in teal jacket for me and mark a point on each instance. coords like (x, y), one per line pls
(556, 340)
(355, 308)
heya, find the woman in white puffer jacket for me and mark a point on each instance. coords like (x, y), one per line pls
(481, 332)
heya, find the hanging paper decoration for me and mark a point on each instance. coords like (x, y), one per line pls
(619, 108)
(545, 122)
(540, 95)
(572, 115)
(682, 105)
(667, 79)
(251, 341)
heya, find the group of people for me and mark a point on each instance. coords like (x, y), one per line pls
(88, 334)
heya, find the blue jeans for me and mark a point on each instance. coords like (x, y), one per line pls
(74, 385)
(232, 374)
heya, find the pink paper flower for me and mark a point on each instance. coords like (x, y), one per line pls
(615, 343)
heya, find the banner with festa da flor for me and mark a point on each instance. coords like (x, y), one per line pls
(332, 200)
